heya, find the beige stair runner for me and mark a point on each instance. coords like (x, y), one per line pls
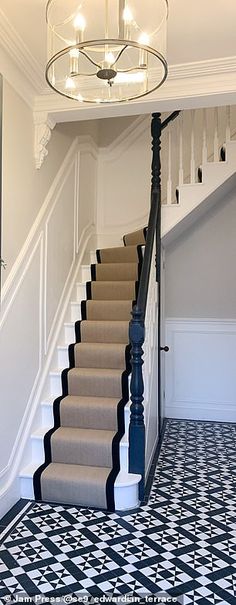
(82, 449)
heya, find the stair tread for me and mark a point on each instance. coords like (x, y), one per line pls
(77, 433)
(123, 478)
(97, 345)
(40, 432)
(95, 371)
(85, 399)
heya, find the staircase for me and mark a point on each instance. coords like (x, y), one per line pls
(87, 450)
(82, 451)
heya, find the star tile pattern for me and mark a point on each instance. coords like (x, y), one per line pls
(181, 542)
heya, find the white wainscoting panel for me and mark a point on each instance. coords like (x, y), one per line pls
(200, 377)
(60, 248)
(34, 306)
(22, 350)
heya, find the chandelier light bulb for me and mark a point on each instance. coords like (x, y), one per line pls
(79, 22)
(144, 39)
(127, 15)
(79, 25)
(70, 85)
(74, 61)
(109, 58)
(143, 55)
(128, 20)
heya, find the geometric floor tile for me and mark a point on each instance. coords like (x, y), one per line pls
(182, 542)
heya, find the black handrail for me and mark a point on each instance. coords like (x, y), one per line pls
(170, 118)
(136, 327)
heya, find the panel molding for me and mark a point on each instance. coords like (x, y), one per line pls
(200, 355)
(68, 174)
(9, 482)
(38, 247)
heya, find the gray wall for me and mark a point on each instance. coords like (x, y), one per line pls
(201, 266)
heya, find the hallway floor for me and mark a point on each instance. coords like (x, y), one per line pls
(182, 542)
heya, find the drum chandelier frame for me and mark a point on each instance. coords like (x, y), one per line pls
(106, 51)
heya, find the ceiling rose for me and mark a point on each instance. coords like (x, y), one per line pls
(103, 51)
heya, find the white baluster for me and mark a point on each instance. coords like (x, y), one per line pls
(216, 135)
(227, 132)
(192, 161)
(169, 179)
(204, 137)
(181, 168)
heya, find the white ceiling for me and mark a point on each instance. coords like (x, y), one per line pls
(197, 30)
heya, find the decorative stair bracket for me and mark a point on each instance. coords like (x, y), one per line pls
(137, 327)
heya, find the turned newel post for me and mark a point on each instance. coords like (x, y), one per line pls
(136, 427)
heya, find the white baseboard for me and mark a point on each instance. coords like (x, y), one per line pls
(200, 379)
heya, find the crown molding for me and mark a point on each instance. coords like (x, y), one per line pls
(202, 83)
(203, 68)
(187, 85)
(17, 50)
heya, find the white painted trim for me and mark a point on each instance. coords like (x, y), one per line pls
(13, 522)
(38, 245)
(188, 83)
(43, 125)
(15, 461)
(198, 84)
(25, 248)
(187, 401)
(47, 338)
(9, 490)
(16, 48)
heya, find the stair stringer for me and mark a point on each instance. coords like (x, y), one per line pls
(196, 198)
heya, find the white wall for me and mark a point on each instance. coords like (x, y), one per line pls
(124, 181)
(200, 298)
(200, 266)
(24, 187)
(48, 224)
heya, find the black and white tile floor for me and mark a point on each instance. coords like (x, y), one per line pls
(183, 541)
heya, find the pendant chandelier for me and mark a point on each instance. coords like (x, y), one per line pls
(106, 51)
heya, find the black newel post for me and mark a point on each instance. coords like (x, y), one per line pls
(136, 427)
(137, 329)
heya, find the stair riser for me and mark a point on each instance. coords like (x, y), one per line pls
(47, 416)
(86, 273)
(38, 454)
(69, 333)
(93, 257)
(55, 384)
(126, 497)
(37, 447)
(27, 488)
(75, 311)
(80, 291)
(62, 357)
